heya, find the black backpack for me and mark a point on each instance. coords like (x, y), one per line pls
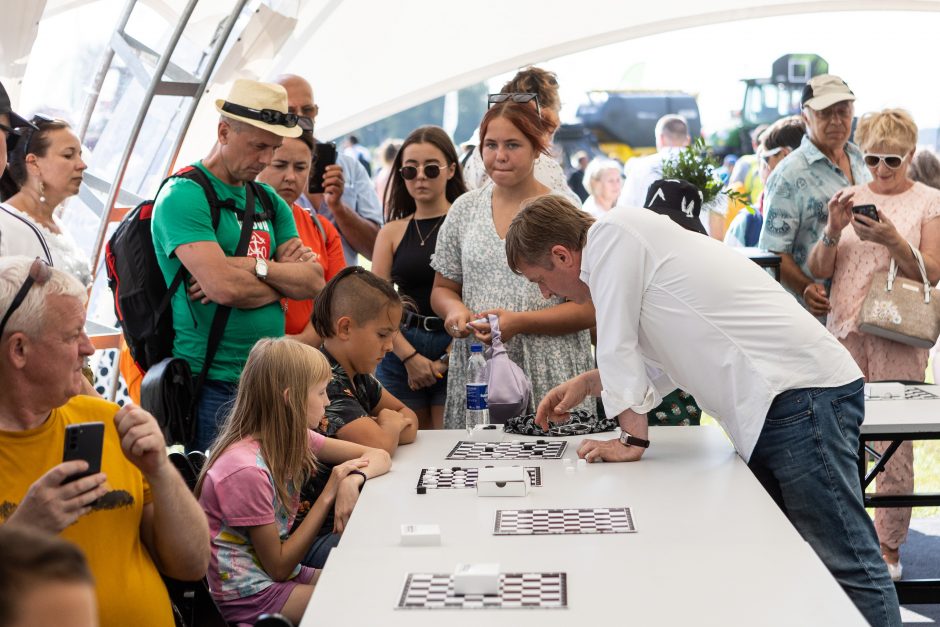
(141, 297)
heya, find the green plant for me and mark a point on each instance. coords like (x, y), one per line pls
(696, 164)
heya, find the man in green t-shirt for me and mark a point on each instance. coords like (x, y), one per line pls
(254, 121)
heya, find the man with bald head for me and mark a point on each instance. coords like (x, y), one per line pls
(349, 200)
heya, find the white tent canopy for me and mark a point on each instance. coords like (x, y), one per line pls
(367, 59)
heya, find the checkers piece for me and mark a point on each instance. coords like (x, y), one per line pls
(435, 591)
(542, 449)
(456, 477)
(538, 522)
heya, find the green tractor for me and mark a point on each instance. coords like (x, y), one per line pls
(766, 100)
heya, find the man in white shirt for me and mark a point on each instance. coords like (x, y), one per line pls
(787, 393)
(672, 135)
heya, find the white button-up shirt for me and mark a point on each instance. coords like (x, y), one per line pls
(679, 309)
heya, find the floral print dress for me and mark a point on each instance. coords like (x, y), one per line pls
(470, 252)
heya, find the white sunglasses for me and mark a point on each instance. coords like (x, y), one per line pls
(892, 161)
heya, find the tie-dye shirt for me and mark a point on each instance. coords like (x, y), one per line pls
(237, 493)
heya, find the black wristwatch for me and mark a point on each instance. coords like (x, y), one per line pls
(631, 440)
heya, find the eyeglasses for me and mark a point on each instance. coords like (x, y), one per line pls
(845, 112)
(268, 116)
(305, 123)
(410, 172)
(518, 98)
(892, 161)
(767, 154)
(39, 272)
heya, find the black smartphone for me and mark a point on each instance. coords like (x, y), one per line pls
(84, 441)
(324, 154)
(867, 210)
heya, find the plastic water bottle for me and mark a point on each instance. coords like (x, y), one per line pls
(478, 412)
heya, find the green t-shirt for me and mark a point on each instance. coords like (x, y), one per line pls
(181, 216)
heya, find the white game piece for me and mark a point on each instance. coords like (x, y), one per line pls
(582, 463)
(566, 461)
(487, 433)
(476, 579)
(569, 469)
(884, 391)
(503, 481)
(420, 535)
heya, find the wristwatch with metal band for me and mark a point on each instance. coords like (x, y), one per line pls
(261, 268)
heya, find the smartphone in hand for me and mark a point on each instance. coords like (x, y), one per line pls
(324, 154)
(84, 441)
(867, 210)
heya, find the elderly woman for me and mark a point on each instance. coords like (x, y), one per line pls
(603, 181)
(851, 256)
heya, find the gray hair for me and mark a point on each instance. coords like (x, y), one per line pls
(594, 170)
(674, 127)
(29, 317)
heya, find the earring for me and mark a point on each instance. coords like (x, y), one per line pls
(42, 192)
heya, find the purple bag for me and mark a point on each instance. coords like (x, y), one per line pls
(509, 389)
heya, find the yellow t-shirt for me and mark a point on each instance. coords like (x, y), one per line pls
(130, 590)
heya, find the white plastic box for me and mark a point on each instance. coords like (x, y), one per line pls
(503, 481)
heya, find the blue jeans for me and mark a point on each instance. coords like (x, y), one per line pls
(807, 459)
(320, 550)
(215, 400)
(394, 376)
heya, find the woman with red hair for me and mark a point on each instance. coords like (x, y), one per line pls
(547, 337)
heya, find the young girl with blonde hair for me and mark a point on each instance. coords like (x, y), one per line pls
(250, 485)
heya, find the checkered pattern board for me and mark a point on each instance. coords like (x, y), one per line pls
(537, 522)
(435, 591)
(914, 393)
(457, 477)
(515, 449)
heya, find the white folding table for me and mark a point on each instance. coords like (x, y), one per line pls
(711, 546)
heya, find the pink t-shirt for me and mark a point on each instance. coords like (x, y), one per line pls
(858, 261)
(237, 493)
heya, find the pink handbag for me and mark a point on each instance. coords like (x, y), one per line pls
(509, 389)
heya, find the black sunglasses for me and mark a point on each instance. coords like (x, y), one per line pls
(268, 116)
(518, 98)
(410, 172)
(39, 272)
(23, 135)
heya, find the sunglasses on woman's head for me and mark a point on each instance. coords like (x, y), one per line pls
(892, 161)
(410, 172)
(23, 135)
(518, 98)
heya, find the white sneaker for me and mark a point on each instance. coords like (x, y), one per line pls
(895, 570)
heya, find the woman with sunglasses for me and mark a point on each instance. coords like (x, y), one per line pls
(539, 89)
(424, 181)
(547, 337)
(288, 173)
(906, 216)
(45, 168)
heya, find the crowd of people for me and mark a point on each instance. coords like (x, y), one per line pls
(325, 368)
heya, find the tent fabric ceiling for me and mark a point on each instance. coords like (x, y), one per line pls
(367, 59)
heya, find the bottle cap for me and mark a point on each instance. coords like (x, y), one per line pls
(476, 348)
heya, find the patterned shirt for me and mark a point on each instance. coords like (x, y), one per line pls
(796, 200)
(350, 399)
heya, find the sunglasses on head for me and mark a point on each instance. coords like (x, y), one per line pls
(892, 161)
(268, 116)
(23, 135)
(305, 123)
(410, 172)
(518, 98)
(39, 272)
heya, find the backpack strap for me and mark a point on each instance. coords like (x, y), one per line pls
(222, 312)
(316, 220)
(36, 231)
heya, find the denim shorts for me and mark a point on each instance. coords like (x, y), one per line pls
(394, 377)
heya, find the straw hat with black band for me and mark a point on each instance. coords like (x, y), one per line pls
(262, 105)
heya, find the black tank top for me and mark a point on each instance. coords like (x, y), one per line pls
(411, 264)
